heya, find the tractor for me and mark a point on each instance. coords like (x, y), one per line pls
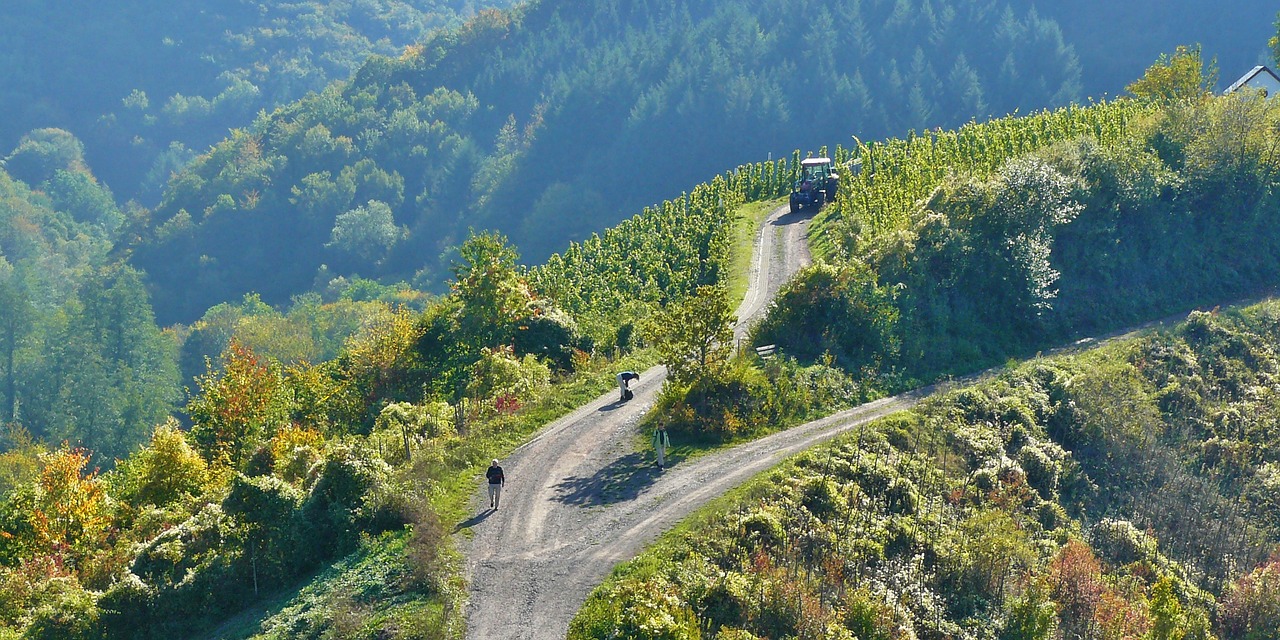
(817, 184)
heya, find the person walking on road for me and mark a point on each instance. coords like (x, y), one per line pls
(624, 384)
(496, 482)
(660, 445)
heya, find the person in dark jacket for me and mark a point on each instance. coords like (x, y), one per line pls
(496, 481)
(624, 384)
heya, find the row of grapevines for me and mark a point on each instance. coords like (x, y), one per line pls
(663, 253)
(897, 175)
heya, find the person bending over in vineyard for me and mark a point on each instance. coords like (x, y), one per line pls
(496, 482)
(624, 384)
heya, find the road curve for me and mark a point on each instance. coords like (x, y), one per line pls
(580, 498)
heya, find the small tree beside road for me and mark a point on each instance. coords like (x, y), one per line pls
(695, 337)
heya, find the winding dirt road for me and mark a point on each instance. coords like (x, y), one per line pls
(580, 498)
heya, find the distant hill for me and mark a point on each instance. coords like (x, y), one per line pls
(133, 78)
(554, 120)
(568, 118)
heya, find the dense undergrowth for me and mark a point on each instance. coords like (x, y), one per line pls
(1123, 492)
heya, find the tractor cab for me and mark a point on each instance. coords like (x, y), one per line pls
(817, 184)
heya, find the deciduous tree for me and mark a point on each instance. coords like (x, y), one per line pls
(492, 291)
(694, 337)
(1174, 77)
(70, 507)
(237, 407)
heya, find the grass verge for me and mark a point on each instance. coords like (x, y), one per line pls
(746, 225)
(820, 245)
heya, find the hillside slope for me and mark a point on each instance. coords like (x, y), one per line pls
(995, 240)
(550, 121)
(581, 498)
(1125, 491)
(149, 84)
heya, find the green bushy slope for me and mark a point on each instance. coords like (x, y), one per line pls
(1122, 492)
(1001, 239)
(316, 498)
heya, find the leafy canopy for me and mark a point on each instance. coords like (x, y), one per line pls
(492, 291)
(694, 337)
(1178, 77)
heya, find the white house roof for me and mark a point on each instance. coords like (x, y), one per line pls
(1260, 76)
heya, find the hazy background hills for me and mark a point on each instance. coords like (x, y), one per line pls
(147, 85)
(548, 123)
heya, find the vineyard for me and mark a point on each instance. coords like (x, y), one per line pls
(958, 249)
(899, 174)
(660, 255)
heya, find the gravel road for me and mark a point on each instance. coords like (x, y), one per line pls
(580, 498)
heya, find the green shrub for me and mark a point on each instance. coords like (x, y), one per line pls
(729, 602)
(551, 335)
(1041, 464)
(822, 498)
(1031, 616)
(735, 634)
(332, 508)
(1119, 542)
(1051, 515)
(837, 310)
(718, 408)
(782, 611)
(262, 500)
(127, 606)
(162, 472)
(167, 560)
(501, 376)
(869, 617)
(297, 464)
(74, 616)
(901, 497)
(639, 610)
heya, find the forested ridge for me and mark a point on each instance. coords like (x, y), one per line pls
(551, 121)
(542, 122)
(148, 85)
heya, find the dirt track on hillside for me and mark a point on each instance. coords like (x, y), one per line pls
(580, 498)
